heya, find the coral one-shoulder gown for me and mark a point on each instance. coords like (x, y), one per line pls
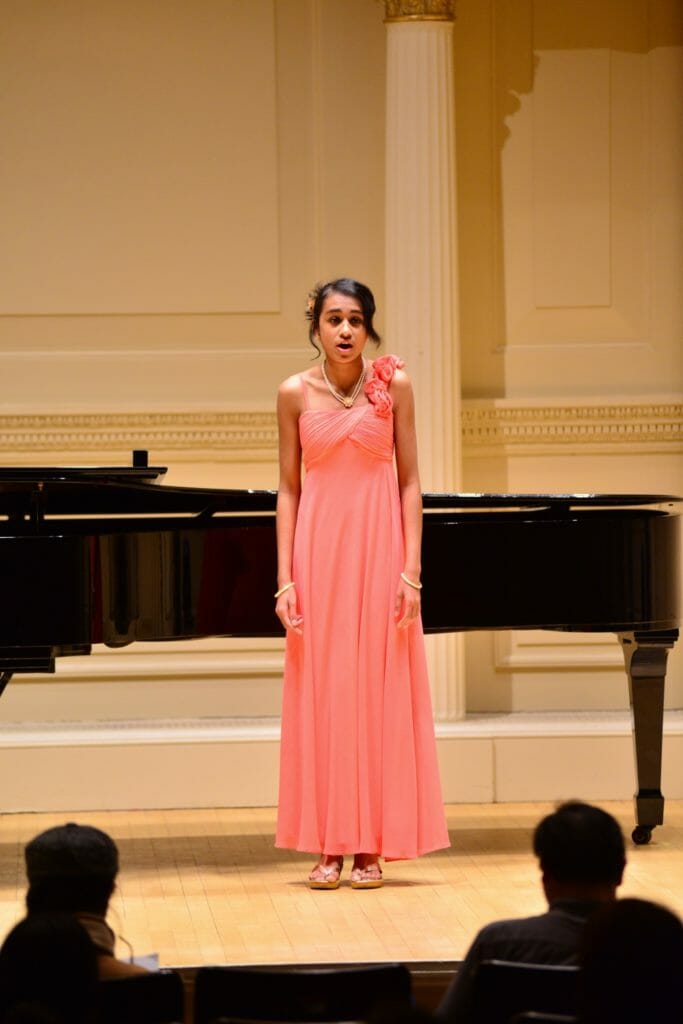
(358, 767)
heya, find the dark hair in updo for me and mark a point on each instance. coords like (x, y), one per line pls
(345, 286)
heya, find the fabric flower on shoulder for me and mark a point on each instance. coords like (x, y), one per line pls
(385, 366)
(377, 393)
(377, 388)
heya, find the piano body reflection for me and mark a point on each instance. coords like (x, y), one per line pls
(111, 556)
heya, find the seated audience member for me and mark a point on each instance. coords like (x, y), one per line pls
(48, 972)
(581, 854)
(72, 868)
(631, 959)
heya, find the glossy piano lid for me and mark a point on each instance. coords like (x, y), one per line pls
(549, 501)
(88, 496)
(131, 490)
(35, 474)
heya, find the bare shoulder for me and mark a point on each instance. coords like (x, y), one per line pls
(401, 380)
(291, 385)
(290, 393)
(401, 387)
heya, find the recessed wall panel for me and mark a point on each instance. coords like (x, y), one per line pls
(139, 153)
(574, 179)
(571, 180)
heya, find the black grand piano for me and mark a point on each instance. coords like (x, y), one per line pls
(110, 556)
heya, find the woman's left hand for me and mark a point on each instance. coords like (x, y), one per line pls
(407, 607)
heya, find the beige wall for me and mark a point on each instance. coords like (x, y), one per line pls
(173, 192)
(570, 138)
(570, 146)
(176, 186)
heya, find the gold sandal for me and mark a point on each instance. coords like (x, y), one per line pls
(331, 875)
(367, 877)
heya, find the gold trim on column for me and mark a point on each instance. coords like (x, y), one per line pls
(419, 10)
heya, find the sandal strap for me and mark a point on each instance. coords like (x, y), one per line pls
(369, 872)
(328, 870)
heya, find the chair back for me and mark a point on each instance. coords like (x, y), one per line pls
(299, 994)
(154, 998)
(501, 989)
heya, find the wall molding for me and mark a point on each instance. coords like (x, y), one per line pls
(266, 729)
(489, 426)
(519, 649)
(235, 436)
(230, 762)
(541, 724)
(125, 732)
(173, 660)
(499, 426)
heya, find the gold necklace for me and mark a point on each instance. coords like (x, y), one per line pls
(346, 400)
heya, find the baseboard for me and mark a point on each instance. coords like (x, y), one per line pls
(78, 766)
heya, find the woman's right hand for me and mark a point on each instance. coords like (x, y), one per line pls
(287, 611)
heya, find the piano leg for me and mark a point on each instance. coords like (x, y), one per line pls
(645, 655)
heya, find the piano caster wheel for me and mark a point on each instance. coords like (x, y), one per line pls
(641, 835)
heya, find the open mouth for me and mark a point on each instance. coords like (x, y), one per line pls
(345, 346)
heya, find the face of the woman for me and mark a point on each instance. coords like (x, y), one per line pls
(341, 328)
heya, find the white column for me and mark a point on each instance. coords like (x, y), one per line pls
(421, 264)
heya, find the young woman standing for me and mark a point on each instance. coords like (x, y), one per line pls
(358, 768)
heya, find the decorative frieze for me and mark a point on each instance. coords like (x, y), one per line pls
(419, 10)
(230, 436)
(252, 435)
(502, 428)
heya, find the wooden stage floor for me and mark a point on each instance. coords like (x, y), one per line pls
(208, 887)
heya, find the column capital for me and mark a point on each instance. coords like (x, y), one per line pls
(419, 10)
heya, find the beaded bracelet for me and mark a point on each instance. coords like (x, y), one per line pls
(411, 583)
(282, 590)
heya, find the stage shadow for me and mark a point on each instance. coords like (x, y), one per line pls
(147, 854)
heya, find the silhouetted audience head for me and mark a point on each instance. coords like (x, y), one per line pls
(631, 959)
(48, 972)
(71, 868)
(580, 846)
